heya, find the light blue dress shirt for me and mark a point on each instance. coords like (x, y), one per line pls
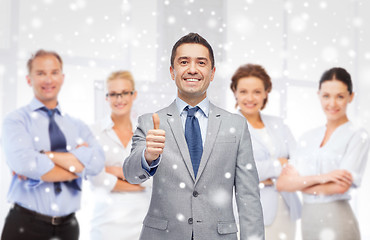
(202, 116)
(25, 134)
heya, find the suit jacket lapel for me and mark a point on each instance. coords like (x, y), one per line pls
(214, 121)
(174, 121)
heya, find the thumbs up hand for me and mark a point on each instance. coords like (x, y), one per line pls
(155, 139)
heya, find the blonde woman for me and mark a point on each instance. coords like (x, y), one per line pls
(272, 144)
(120, 207)
(329, 161)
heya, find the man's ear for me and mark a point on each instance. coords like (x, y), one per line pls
(213, 73)
(172, 73)
(29, 80)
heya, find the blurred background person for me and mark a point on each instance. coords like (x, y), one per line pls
(49, 153)
(329, 161)
(272, 144)
(120, 207)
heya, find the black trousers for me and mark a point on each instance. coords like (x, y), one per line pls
(21, 226)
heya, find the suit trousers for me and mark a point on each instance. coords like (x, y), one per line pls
(20, 225)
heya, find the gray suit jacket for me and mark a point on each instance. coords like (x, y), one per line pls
(182, 205)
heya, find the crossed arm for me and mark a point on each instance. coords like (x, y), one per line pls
(334, 182)
(122, 185)
(66, 166)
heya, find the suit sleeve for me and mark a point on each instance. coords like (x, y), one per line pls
(247, 190)
(132, 167)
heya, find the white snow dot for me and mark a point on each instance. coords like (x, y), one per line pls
(72, 168)
(357, 22)
(364, 136)
(79, 141)
(115, 150)
(174, 166)
(89, 20)
(106, 182)
(327, 234)
(227, 175)
(282, 235)
(36, 23)
(261, 185)
(220, 198)
(37, 139)
(54, 207)
(329, 54)
(73, 7)
(232, 130)
(180, 217)
(249, 166)
(51, 155)
(21, 230)
(212, 23)
(68, 147)
(323, 5)
(182, 185)
(106, 148)
(171, 20)
(47, 189)
(34, 115)
(276, 163)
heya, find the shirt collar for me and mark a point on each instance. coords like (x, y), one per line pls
(203, 105)
(107, 123)
(36, 104)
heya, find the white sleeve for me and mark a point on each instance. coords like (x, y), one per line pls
(104, 180)
(356, 156)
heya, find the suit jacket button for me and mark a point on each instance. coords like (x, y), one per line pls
(195, 194)
(190, 220)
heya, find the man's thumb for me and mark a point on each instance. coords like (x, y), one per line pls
(156, 121)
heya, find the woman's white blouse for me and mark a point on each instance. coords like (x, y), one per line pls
(346, 149)
(269, 144)
(116, 215)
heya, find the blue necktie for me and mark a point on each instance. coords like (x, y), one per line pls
(193, 138)
(58, 143)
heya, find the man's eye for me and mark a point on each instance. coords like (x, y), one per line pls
(183, 62)
(112, 94)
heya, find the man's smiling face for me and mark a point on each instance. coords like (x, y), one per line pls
(192, 72)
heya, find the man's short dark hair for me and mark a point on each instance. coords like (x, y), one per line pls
(42, 53)
(193, 38)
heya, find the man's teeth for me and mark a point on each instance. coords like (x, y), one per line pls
(192, 80)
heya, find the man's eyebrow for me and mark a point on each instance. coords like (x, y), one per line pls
(183, 57)
(202, 58)
(198, 58)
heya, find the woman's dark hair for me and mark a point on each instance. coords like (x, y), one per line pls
(339, 74)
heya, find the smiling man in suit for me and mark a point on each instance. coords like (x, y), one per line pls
(197, 153)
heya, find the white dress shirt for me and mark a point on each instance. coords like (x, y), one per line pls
(347, 149)
(117, 215)
(272, 142)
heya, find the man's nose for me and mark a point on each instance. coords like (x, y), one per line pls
(192, 68)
